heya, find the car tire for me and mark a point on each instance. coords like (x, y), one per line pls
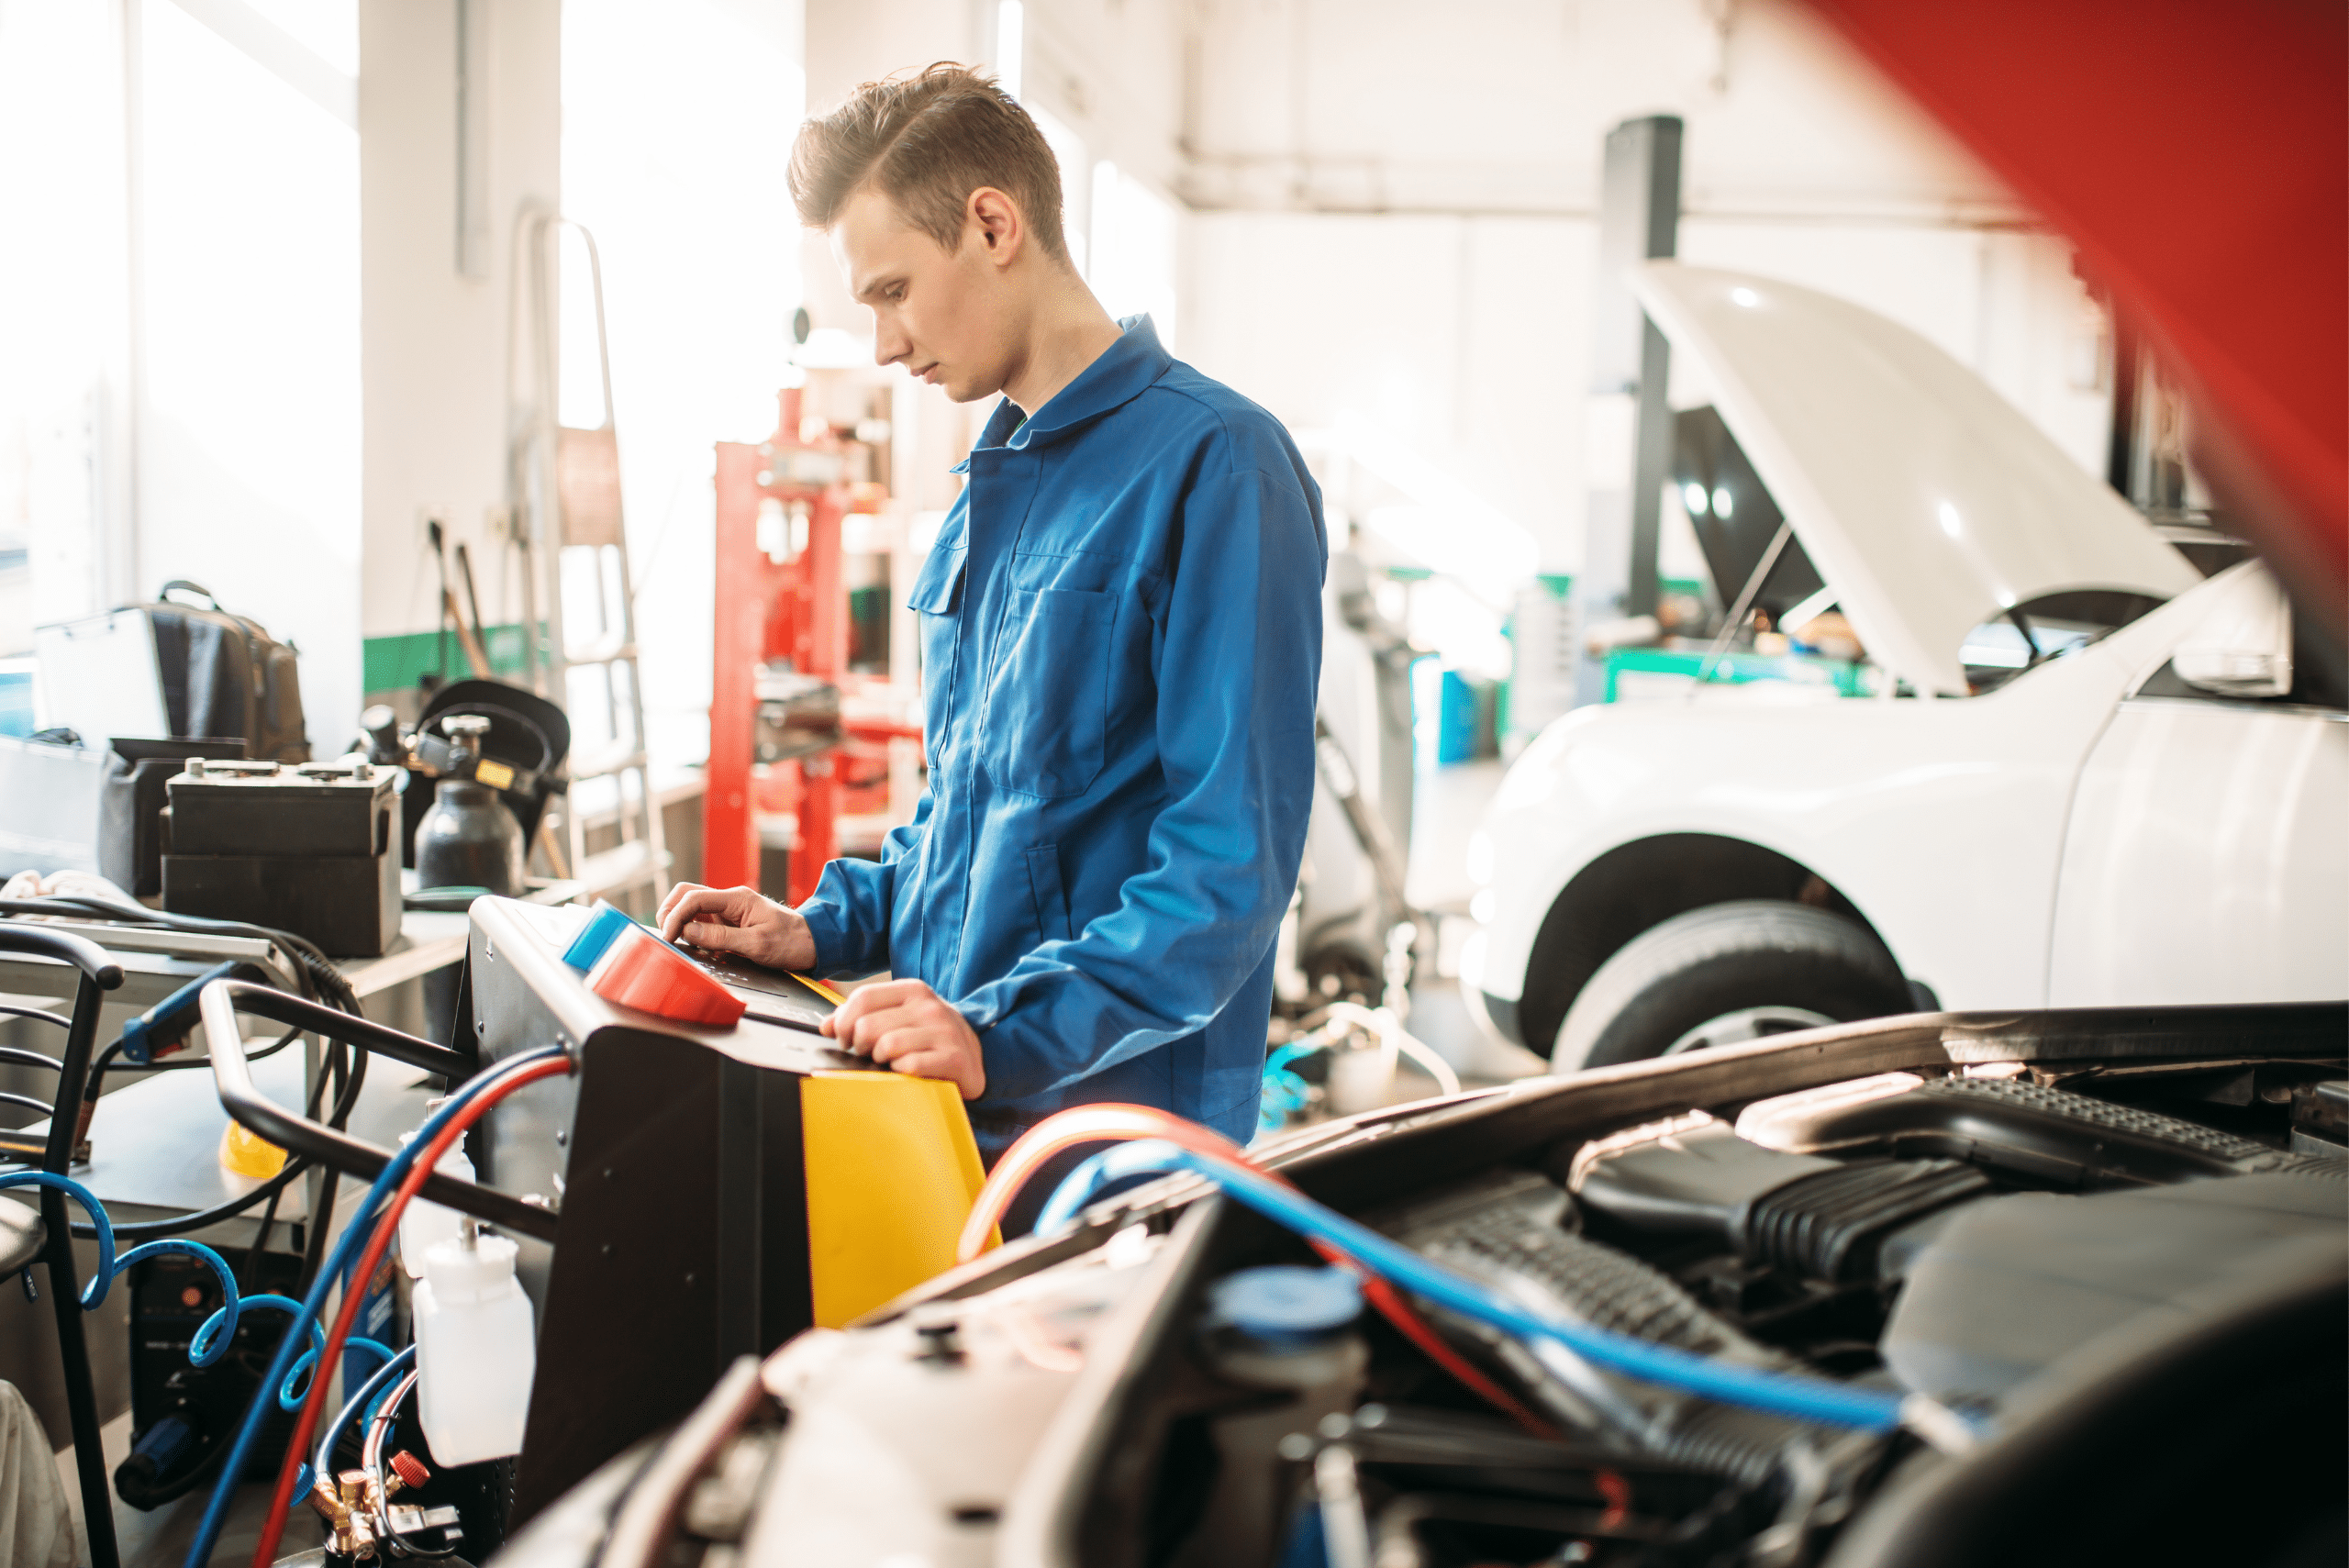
(1728, 972)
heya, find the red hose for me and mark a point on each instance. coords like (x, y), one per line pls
(386, 1225)
(1116, 1123)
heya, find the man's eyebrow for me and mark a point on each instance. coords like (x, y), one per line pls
(878, 286)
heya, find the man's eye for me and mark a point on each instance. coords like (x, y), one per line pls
(898, 295)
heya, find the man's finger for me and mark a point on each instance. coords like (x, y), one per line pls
(867, 1032)
(918, 1043)
(720, 939)
(937, 1062)
(700, 900)
(675, 910)
(867, 999)
(676, 894)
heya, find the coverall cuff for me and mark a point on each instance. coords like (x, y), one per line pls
(835, 943)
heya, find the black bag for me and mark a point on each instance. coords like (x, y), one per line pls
(130, 808)
(225, 678)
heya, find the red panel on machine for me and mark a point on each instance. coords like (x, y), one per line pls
(645, 973)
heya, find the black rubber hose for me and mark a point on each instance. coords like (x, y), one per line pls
(106, 1063)
(322, 981)
(155, 1229)
(1594, 1282)
(350, 1074)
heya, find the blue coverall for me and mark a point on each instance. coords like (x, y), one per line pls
(1121, 642)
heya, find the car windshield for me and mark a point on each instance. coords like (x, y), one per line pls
(2042, 630)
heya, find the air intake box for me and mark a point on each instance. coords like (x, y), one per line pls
(1820, 1219)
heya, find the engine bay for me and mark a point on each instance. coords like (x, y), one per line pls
(2000, 1251)
(1952, 1238)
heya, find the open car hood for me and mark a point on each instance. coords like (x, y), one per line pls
(1928, 502)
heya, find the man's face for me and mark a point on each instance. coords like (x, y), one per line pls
(947, 319)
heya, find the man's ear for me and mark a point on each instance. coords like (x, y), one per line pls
(1001, 229)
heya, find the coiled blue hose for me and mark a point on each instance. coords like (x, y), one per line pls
(211, 1340)
(345, 1253)
(1801, 1398)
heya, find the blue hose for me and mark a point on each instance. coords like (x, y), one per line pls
(211, 1340)
(323, 1453)
(296, 1389)
(1801, 1398)
(345, 1251)
(95, 1291)
(1285, 1092)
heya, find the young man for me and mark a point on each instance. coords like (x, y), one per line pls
(1121, 639)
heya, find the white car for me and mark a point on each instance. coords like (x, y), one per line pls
(2156, 811)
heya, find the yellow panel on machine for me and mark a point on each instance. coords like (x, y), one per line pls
(892, 1169)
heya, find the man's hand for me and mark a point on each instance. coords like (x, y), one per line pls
(910, 1027)
(738, 920)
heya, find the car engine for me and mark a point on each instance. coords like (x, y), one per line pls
(2108, 1299)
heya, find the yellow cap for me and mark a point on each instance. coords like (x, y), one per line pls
(248, 1155)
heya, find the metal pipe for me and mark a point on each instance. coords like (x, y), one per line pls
(64, 1289)
(232, 1079)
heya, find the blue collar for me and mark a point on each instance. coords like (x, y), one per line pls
(1125, 369)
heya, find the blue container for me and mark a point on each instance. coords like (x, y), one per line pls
(16, 703)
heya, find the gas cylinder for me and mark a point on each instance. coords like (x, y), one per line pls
(469, 839)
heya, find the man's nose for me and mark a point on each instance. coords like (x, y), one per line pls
(888, 346)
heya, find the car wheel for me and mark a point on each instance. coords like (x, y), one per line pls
(1724, 973)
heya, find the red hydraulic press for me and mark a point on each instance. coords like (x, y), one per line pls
(778, 739)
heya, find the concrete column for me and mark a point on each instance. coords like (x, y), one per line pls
(1630, 441)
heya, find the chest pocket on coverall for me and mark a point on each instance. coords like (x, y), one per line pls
(1047, 711)
(938, 593)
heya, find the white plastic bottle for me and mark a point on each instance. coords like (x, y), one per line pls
(475, 1350)
(424, 1226)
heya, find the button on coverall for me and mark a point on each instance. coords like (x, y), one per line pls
(1121, 641)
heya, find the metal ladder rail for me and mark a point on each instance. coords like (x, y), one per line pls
(549, 490)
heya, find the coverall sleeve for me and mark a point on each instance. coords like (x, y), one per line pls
(1237, 670)
(848, 912)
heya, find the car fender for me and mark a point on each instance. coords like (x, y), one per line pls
(1942, 822)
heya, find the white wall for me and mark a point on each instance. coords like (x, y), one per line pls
(434, 338)
(245, 202)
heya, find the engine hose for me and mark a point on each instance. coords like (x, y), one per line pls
(339, 1116)
(215, 1513)
(1795, 1396)
(1109, 1120)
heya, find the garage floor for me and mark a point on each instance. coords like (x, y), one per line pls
(159, 1540)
